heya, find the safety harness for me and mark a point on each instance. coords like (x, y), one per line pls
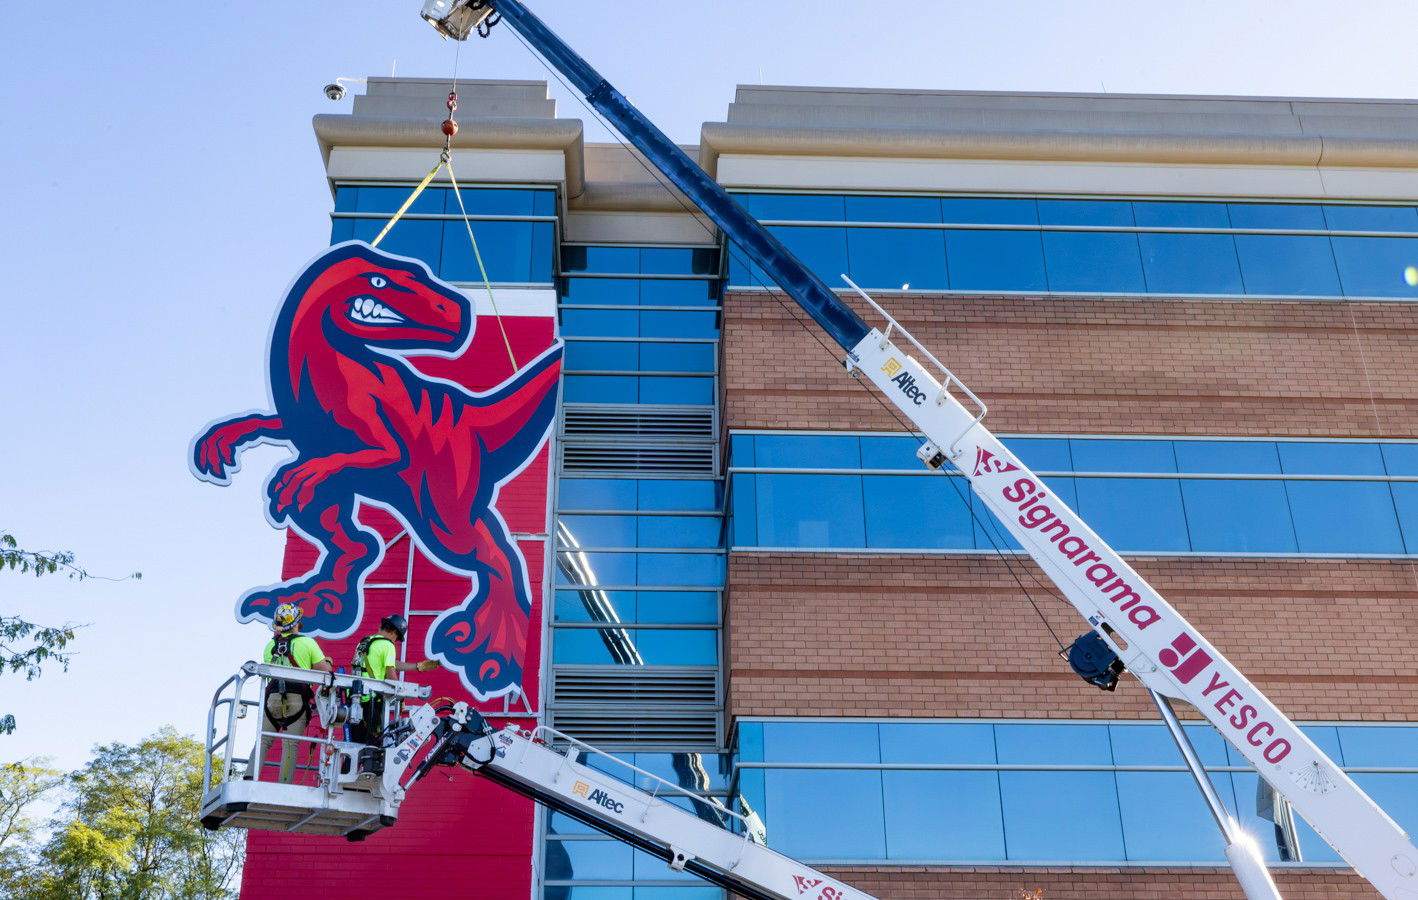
(283, 654)
(361, 654)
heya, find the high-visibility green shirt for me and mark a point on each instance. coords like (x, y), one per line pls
(303, 650)
(380, 657)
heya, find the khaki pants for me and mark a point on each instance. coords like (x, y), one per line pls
(279, 706)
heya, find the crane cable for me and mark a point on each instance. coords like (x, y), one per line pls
(985, 526)
(445, 160)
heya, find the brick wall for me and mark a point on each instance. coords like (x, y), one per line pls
(918, 635)
(1102, 366)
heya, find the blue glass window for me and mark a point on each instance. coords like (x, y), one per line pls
(1405, 501)
(417, 238)
(1374, 267)
(1043, 454)
(601, 291)
(588, 860)
(1371, 218)
(821, 742)
(996, 261)
(939, 512)
(1042, 811)
(1400, 459)
(1052, 743)
(513, 252)
(1110, 505)
(370, 198)
(1191, 264)
(894, 453)
(500, 202)
(825, 813)
(679, 357)
(1173, 214)
(1102, 455)
(678, 607)
(1390, 747)
(1316, 458)
(810, 511)
(597, 493)
(795, 207)
(823, 250)
(1277, 215)
(1093, 262)
(895, 209)
(679, 260)
(1287, 265)
(937, 742)
(1152, 745)
(943, 815)
(614, 356)
(806, 451)
(1230, 457)
(989, 211)
(678, 292)
(1344, 517)
(1238, 516)
(635, 646)
(608, 260)
(892, 258)
(1165, 819)
(1085, 212)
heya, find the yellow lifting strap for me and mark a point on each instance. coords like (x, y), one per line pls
(446, 159)
(427, 179)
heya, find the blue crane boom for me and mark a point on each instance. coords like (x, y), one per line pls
(776, 260)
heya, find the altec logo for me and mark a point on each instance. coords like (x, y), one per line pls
(598, 797)
(812, 884)
(904, 380)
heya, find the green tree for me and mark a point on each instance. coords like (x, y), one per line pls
(25, 647)
(22, 785)
(129, 829)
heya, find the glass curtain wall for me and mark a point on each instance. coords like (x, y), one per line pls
(1156, 496)
(1043, 245)
(640, 554)
(982, 791)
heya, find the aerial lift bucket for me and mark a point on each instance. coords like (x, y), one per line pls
(341, 789)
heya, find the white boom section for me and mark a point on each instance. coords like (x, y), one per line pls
(1157, 644)
(526, 763)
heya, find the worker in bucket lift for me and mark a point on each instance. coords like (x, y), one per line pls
(287, 703)
(375, 657)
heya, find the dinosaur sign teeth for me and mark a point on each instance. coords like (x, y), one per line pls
(372, 312)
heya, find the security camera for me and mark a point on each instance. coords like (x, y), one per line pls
(335, 91)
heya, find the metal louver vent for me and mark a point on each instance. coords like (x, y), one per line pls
(580, 422)
(664, 440)
(640, 707)
(609, 458)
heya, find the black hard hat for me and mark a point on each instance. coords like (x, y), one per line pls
(397, 623)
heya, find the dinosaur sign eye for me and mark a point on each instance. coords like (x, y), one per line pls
(378, 281)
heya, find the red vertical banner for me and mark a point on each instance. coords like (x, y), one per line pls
(418, 484)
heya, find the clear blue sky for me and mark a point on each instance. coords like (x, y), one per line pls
(163, 184)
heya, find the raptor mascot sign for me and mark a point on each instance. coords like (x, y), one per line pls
(367, 427)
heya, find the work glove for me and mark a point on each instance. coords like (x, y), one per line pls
(429, 665)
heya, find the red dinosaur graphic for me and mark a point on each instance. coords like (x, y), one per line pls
(366, 426)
